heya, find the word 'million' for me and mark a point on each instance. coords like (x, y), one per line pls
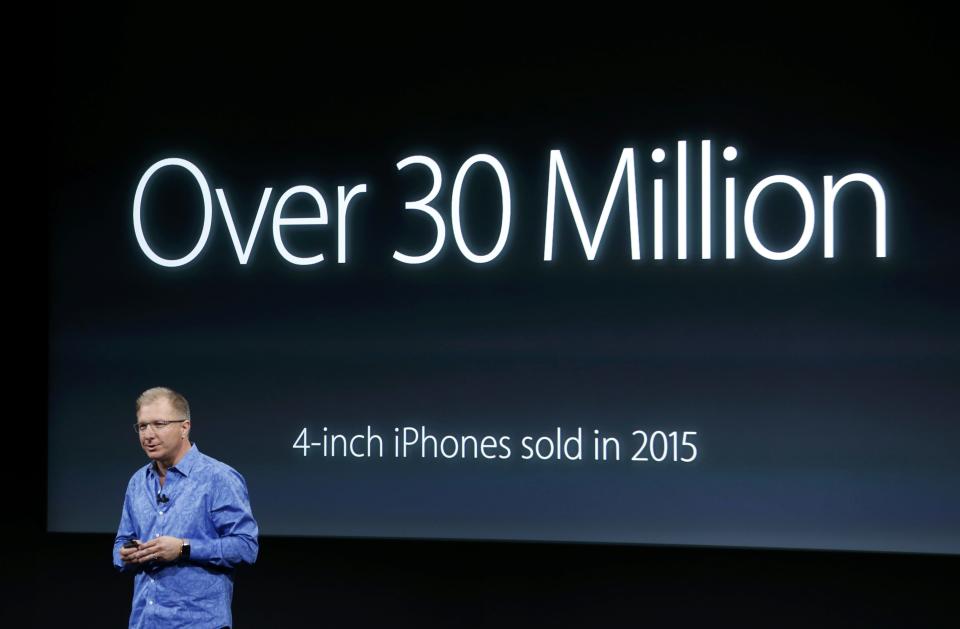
(559, 183)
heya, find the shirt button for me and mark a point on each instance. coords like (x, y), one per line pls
(160, 512)
(157, 535)
(151, 602)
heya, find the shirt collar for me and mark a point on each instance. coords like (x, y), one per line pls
(186, 464)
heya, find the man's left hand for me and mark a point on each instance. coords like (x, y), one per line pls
(165, 548)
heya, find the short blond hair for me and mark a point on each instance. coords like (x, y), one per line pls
(177, 401)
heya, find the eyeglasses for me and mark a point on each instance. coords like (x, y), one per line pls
(158, 425)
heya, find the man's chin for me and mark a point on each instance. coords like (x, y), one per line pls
(153, 454)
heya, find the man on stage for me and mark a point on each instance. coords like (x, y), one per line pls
(186, 523)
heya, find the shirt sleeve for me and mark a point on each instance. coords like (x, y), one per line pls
(233, 520)
(125, 532)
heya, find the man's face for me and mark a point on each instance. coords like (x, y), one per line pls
(161, 443)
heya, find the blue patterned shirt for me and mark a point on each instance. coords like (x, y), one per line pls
(207, 504)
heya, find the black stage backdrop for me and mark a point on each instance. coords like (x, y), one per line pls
(821, 391)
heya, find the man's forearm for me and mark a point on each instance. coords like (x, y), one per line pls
(227, 551)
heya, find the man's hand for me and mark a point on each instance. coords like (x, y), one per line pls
(163, 548)
(126, 554)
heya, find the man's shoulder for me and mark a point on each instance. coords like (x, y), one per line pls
(214, 467)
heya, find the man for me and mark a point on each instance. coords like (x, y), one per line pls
(186, 523)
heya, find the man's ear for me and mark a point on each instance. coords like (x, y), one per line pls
(185, 429)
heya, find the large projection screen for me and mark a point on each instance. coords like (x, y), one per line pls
(688, 292)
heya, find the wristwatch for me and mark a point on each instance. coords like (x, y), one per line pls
(185, 550)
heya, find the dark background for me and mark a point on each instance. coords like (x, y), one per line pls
(826, 386)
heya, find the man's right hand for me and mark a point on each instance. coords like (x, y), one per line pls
(125, 553)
